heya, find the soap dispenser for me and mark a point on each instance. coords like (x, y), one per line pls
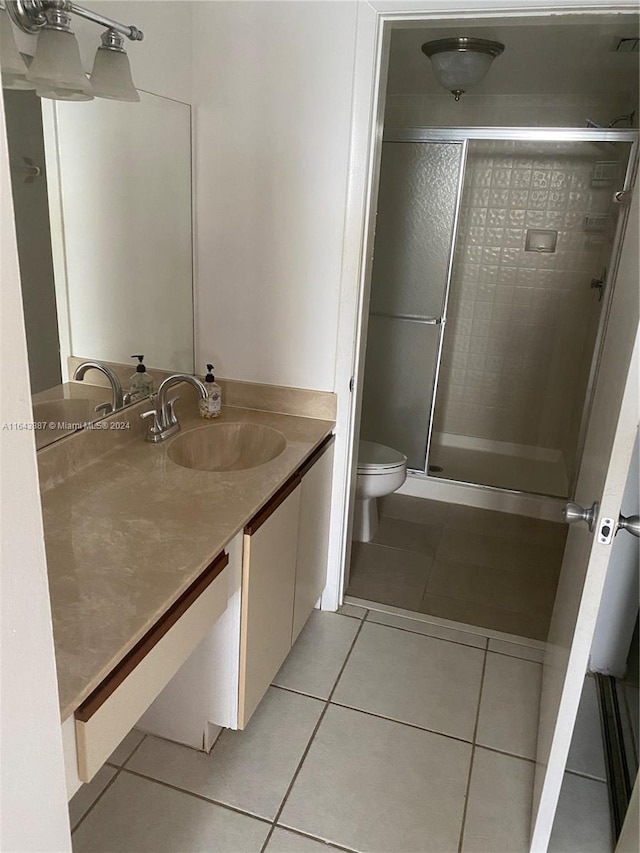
(141, 384)
(212, 406)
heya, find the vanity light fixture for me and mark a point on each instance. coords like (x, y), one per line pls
(13, 65)
(460, 63)
(56, 70)
(111, 75)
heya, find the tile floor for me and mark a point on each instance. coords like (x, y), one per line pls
(475, 566)
(582, 823)
(380, 733)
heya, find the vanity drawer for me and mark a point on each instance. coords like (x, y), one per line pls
(116, 705)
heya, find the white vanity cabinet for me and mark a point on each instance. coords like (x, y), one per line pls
(313, 534)
(283, 574)
(268, 592)
(210, 659)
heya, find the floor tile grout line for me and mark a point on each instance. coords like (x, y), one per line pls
(432, 636)
(314, 838)
(428, 577)
(97, 799)
(429, 553)
(515, 535)
(275, 820)
(588, 776)
(118, 769)
(507, 638)
(499, 610)
(402, 722)
(346, 660)
(312, 738)
(473, 750)
(298, 692)
(196, 795)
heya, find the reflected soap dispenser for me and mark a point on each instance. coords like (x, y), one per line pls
(212, 406)
(141, 384)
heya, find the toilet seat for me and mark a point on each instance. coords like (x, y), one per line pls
(377, 458)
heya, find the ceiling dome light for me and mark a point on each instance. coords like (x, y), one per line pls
(461, 63)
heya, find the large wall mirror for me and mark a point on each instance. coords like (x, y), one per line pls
(102, 197)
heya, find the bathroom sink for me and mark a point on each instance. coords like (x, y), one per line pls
(227, 447)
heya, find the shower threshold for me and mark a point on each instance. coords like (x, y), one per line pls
(520, 468)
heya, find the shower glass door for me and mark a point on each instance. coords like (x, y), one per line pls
(420, 185)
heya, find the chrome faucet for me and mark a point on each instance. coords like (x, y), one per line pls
(118, 401)
(164, 421)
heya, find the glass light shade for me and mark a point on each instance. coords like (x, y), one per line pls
(44, 91)
(111, 76)
(460, 70)
(57, 67)
(14, 68)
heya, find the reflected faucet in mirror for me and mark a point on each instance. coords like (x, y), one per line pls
(164, 421)
(118, 398)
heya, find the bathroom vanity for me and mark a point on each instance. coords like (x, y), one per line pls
(168, 581)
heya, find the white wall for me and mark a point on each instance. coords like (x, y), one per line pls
(33, 797)
(272, 89)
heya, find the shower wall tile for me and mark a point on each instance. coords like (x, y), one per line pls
(521, 324)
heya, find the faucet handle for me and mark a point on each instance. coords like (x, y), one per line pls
(155, 427)
(173, 418)
(104, 408)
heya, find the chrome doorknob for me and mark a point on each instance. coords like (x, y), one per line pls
(631, 524)
(574, 512)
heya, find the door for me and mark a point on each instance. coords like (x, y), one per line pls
(603, 469)
(420, 185)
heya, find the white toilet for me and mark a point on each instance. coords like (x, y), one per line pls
(381, 470)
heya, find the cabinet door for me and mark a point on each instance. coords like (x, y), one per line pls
(268, 584)
(313, 537)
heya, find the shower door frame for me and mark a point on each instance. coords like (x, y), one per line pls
(525, 134)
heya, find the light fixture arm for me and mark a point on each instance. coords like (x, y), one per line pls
(31, 15)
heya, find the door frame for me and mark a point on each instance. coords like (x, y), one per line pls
(375, 19)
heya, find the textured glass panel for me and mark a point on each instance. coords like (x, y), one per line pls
(416, 213)
(398, 381)
(522, 325)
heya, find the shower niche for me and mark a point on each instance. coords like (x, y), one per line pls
(494, 259)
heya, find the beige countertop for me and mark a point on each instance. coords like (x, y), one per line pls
(128, 533)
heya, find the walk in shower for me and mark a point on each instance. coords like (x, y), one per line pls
(494, 256)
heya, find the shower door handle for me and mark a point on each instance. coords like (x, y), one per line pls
(411, 318)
